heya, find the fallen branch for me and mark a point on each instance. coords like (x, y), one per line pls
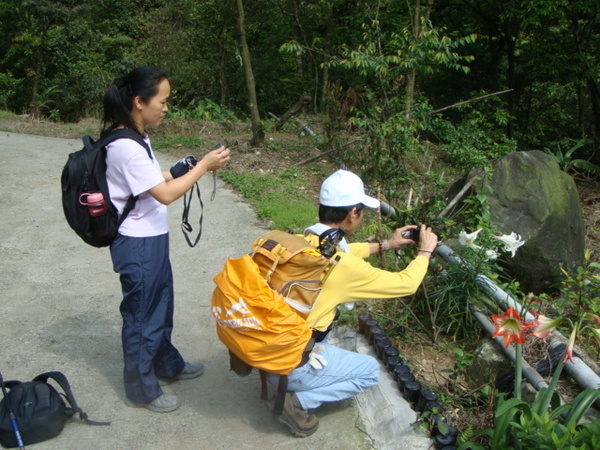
(292, 111)
(455, 200)
(320, 155)
(468, 101)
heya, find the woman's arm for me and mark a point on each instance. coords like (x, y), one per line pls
(174, 188)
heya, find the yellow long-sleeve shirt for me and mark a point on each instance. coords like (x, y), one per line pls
(354, 279)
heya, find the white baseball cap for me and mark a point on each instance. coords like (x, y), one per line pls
(344, 188)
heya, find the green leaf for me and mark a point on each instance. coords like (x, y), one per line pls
(580, 406)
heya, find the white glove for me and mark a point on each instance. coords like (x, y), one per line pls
(349, 306)
(315, 360)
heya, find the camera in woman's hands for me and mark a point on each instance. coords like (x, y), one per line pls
(183, 166)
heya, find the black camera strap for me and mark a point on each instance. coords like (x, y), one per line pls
(186, 226)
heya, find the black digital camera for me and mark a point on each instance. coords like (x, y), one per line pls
(413, 234)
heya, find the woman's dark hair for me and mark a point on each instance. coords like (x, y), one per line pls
(336, 214)
(141, 82)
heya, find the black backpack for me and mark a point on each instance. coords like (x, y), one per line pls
(85, 172)
(38, 409)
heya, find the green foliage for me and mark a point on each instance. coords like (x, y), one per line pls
(446, 303)
(477, 138)
(6, 114)
(577, 297)
(456, 293)
(580, 291)
(403, 51)
(206, 110)
(565, 159)
(520, 425)
(478, 214)
(394, 64)
(391, 119)
(463, 361)
(8, 88)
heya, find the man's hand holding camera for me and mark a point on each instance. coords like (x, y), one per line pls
(427, 241)
(414, 234)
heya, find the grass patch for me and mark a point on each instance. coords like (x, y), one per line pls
(278, 198)
(7, 115)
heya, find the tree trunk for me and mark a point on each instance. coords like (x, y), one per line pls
(594, 91)
(35, 110)
(511, 54)
(411, 84)
(258, 135)
(222, 74)
(325, 80)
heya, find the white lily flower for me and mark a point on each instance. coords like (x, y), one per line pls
(511, 242)
(468, 239)
(491, 255)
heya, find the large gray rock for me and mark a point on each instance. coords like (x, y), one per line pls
(536, 199)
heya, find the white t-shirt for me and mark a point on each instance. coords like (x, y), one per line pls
(129, 171)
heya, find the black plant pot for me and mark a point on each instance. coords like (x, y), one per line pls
(404, 378)
(453, 431)
(392, 362)
(362, 319)
(370, 323)
(388, 353)
(373, 333)
(430, 406)
(426, 396)
(380, 344)
(443, 440)
(400, 369)
(412, 391)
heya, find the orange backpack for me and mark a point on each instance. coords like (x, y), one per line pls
(255, 322)
(261, 301)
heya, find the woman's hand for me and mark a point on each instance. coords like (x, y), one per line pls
(215, 159)
(174, 188)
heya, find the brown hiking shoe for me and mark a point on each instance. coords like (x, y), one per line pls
(300, 422)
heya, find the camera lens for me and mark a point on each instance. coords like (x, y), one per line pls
(415, 233)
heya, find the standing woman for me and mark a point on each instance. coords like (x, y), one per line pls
(140, 253)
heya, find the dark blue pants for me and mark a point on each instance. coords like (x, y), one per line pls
(147, 310)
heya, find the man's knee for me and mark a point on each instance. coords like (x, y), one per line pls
(370, 372)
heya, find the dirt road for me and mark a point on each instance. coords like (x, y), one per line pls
(60, 299)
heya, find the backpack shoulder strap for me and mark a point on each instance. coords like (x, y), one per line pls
(12, 383)
(120, 133)
(62, 381)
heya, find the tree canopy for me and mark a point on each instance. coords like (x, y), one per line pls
(385, 65)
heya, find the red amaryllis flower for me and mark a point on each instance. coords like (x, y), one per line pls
(510, 326)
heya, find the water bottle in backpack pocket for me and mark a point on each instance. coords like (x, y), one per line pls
(102, 224)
